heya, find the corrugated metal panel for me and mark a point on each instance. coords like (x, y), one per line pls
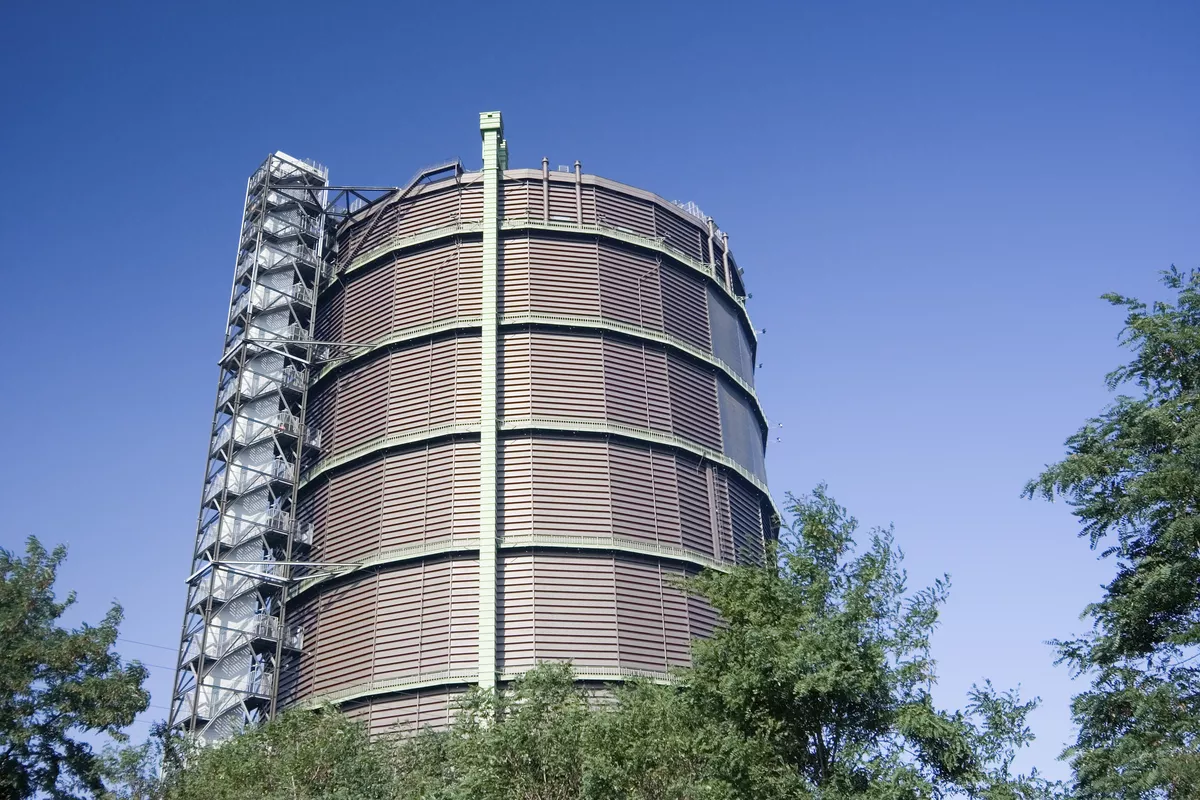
(685, 306)
(625, 383)
(414, 619)
(630, 289)
(345, 631)
(422, 495)
(562, 202)
(312, 510)
(565, 375)
(634, 497)
(464, 522)
(598, 611)
(668, 514)
(430, 495)
(432, 208)
(427, 619)
(368, 305)
(515, 276)
(470, 202)
(641, 618)
(406, 402)
(470, 279)
(426, 285)
(682, 236)
(729, 340)
(353, 521)
(588, 377)
(695, 510)
(701, 618)
(455, 394)
(515, 487)
(328, 327)
(571, 615)
(434, 383)
(658, 390)
(296, 674)
(514, 384)
(587, 202)
(426, 384)
(564, 277)
(588, 487)
(676, 625)
(570, 488)
(616, 210)
(321, 414)
(741, 432)
(515, 613)
(366, 235)
(406, 490)
(362, 403)
(694, 414)
(748, 525)
(411, 711)
(719, 499)
(520, 198)
(429, 210)
(440, 282)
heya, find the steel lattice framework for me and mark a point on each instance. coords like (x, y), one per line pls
(234, 630)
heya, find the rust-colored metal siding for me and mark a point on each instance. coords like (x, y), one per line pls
(413, 387)
(630, 449)
(606, 614)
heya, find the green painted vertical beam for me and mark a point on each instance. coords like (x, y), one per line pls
(491, 128)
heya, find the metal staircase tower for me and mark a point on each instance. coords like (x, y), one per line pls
(248, 542)
(234, 632)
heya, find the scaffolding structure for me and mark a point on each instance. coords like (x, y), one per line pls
(235, 633)
(234, 630)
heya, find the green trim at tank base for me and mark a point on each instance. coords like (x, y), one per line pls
(452, 678)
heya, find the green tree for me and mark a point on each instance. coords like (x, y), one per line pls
(56, 684)
(528, 742)
(826, 661)
(1132, 477)
(816, 685)
(301, 755)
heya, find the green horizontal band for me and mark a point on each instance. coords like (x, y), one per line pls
(432, 680)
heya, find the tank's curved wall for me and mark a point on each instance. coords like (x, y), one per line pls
(630, 443)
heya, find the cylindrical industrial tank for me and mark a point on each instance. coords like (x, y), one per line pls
(628, 444)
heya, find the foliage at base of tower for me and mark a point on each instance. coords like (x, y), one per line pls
(301, 755)
(1132, 476)
(56, 684)
(817, 686)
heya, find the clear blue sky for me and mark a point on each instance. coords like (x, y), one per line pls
(928, 199)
